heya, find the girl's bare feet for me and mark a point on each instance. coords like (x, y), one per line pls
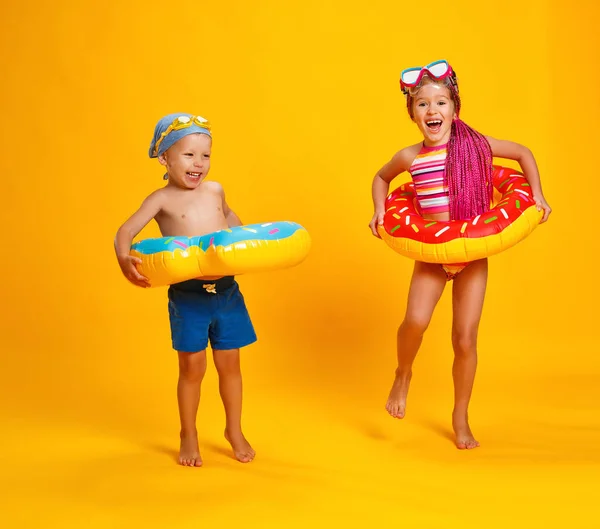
(464, 437)
(396, 403)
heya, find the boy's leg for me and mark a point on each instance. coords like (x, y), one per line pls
(426, 287)
(192, 367)
(468, 295)
(227, 363)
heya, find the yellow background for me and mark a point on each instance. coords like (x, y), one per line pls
(305, 104)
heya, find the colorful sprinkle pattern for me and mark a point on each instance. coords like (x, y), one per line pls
(269, 231)
(516, 198)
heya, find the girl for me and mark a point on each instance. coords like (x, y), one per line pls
(452, 173)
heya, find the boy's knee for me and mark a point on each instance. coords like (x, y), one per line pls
(192, 368)
(227, 363)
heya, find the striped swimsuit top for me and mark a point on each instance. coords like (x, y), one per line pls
(427, 172)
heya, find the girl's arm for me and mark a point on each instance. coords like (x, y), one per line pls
(515, 151)
(399, 163)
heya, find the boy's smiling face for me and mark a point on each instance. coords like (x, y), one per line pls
(188, 160)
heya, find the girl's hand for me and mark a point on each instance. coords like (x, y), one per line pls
(541, 204)
(377, 220)
(127, 264)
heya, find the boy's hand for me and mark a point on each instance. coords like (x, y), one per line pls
(127, 264)
(377, 220)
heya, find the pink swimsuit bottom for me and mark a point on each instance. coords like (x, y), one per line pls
(452, 270)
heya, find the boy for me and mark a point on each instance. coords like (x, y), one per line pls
(210, 308)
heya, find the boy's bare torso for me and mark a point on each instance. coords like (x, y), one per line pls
(193, 212)
(190, 213)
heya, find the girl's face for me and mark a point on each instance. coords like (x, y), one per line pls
(433, 112)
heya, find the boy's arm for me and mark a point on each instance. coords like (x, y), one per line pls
(515, 151)
(127, 232)
(230, 216)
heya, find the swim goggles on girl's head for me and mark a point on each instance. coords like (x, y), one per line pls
(182, 122)
(436, 70)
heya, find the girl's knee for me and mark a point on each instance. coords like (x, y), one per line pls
(415, 325)
(465, 343)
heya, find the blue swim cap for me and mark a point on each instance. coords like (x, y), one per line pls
(181, 125)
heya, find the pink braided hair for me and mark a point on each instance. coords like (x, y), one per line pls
(468, 171)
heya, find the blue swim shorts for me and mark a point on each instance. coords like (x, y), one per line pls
(200, 311)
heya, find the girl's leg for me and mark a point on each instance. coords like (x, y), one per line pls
(230, 387)
(467, 299)
(192, 367)
(426, 287)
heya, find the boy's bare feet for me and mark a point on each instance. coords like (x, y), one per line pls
(464, 437)
(396, 403)
(241, 448)
(189, 453)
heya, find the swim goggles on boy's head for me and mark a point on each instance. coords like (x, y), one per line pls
(179, 123)
(436, 70)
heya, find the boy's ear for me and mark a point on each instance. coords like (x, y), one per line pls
(163, 159)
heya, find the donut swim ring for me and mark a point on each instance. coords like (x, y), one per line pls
(232, 251)
(512, 218)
